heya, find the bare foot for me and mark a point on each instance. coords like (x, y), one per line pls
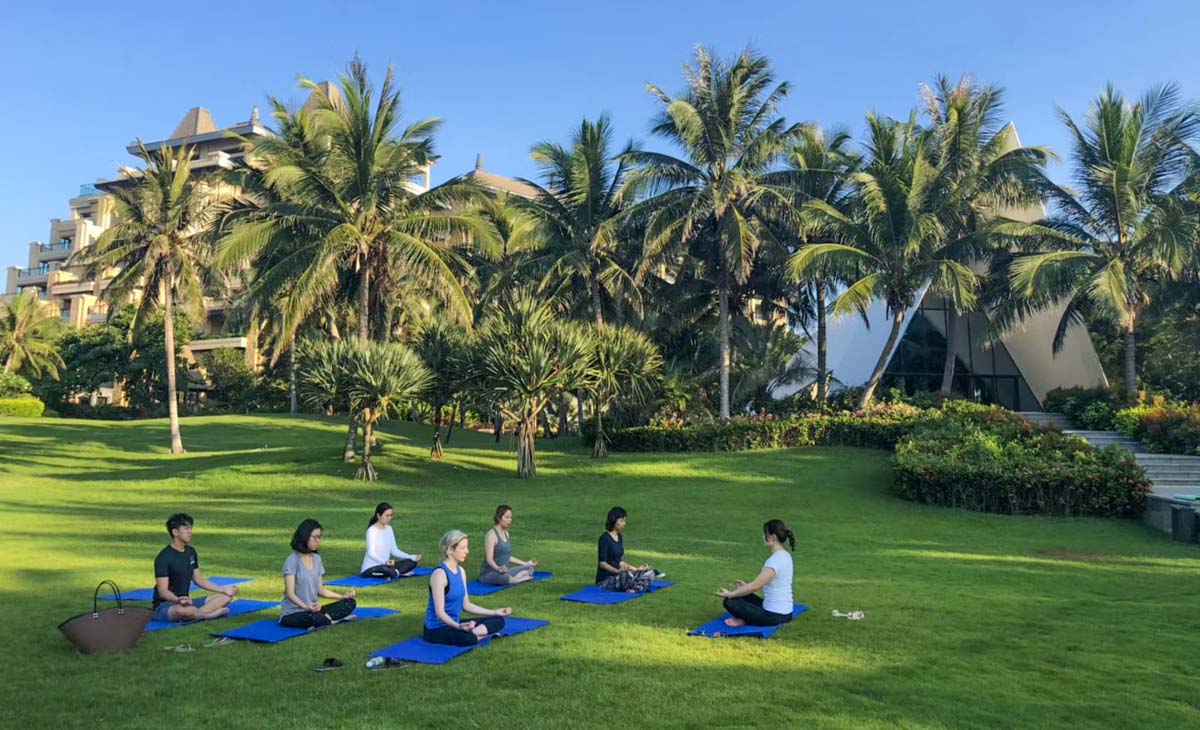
(215, 614)
(734, 622)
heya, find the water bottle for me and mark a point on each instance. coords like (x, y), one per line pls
(374, 661)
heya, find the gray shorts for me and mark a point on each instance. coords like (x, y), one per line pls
(162, 613)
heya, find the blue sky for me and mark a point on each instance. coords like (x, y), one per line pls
(83, 81)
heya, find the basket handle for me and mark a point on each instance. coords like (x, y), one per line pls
(116, 594)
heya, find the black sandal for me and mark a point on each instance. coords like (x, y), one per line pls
(330, 664)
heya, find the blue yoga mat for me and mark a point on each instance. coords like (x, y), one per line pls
(418, 650)
(475, 588)
(236, 608)
(147, 594)
(601, 597)
(268, 631)
(717, 628)
(357, 581)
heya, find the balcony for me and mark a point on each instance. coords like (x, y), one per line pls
(53, 251)
(89, 190)
(34, 275)
(97, 313)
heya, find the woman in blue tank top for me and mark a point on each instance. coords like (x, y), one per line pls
(448, 598)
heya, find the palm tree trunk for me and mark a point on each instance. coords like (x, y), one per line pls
(351, 436)
(436, 451)
(881, 364)
(526, 445)
(169, 342)
(822, 335)
(563, 414)
(10, 362)
(723, 314)
(497, 421)
(951, 349)
(293, 405)
(597, 304)
(366, 470)
(1131, 385)
(579, 410)
(599, 447)
(364, 305)
(454, 410)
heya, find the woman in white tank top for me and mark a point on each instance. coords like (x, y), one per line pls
(774, 606)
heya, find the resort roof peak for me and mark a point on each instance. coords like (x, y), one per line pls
(195, 122)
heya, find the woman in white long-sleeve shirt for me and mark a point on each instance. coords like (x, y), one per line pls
(383, 559)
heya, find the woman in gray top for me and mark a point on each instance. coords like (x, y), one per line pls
(303, 584)
(497, 554)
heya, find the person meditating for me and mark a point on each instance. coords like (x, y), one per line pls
(448, 598)
(774, 607)
(303, 584)
(383, 559)
(176, 567)
(497, 554)
(612, 572)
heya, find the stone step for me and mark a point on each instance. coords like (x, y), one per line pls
(1168, 459)
(1181, 481)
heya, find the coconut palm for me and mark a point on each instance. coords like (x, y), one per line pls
(703, 204)
(383, 378)
(984, 172)
(627, 366)
(578, 210)
(818, 167)
(341, 173)
(893, 234)
(525, 355)
(29, 332)
(1129, 225)
(158, 247)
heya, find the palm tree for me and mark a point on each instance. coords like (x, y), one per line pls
(441, 345)
(525, 355)
(703, 203)
(578, 210)
(323, 374)
(1129, 225)
(383, 377)
(344, 199)
(984, 171)
(627, 366)
(29, 333)
(158, 245)
(818, 167)
(893, 234)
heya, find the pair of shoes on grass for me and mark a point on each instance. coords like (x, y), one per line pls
(853, 615)
(329, 665)
(188, 648)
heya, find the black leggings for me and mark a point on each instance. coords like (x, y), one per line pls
(458, 637)
(750, 609)
(390, 572)
(329, 613)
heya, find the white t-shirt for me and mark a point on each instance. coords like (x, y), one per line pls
(777, 593)
(381, 547)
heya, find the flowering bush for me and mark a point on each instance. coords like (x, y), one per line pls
(1166, 428)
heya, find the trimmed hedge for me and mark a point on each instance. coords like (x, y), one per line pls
(106, 412)
(872, 432)
(24, 407)
(962, 461)
(1164, 428)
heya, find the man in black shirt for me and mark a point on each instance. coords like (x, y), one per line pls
(175, 569)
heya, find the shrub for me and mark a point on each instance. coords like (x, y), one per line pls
(1091, 408)
(13, 385)
(982, 462)
(107, 412)
(24, 406)
(1165, 428)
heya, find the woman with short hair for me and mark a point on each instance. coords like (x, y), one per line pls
(497, 554)
(303, 584)
(612, 572)
(774, 606)
(383, 559)
(448, 598)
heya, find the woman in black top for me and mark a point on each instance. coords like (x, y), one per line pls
(612, 572)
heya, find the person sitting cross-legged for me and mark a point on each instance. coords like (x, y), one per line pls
(303, 585)
(774, 607)
(383, 559)
(448, 598)
(612, 572)
(499, 567)
(176, 567)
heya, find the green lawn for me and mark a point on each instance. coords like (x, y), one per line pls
(971, 620)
